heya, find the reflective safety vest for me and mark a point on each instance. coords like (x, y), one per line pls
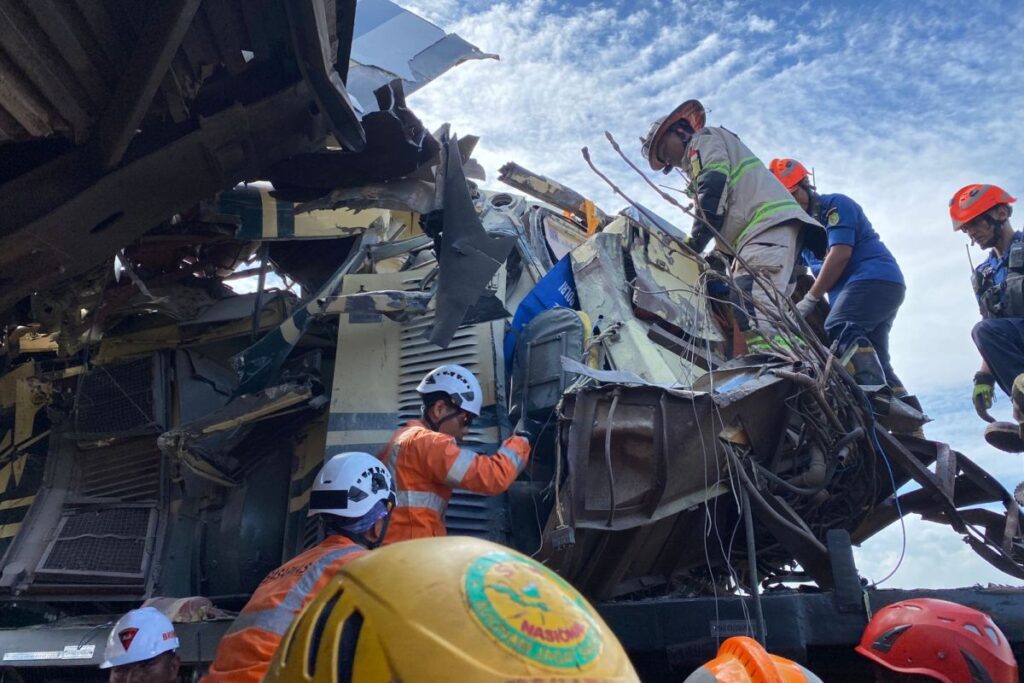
(753, 199)
(245, 651)
(427, 465)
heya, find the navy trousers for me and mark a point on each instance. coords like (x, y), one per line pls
(867, 308)
(1000, 342)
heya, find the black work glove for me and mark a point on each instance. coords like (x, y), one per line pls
(529, 429)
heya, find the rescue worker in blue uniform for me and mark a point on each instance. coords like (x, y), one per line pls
(864, 283)
(982, 212)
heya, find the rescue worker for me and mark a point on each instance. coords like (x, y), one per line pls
(864, 283)
(982, 212)
(743, 202)
(142, 648)
(454, 609)
(743, 660)
(353, 495)
(925, 639)
(427, 462)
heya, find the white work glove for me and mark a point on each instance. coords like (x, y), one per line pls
(807, 305)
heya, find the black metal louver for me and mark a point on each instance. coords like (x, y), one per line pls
(100, 546)
(120, 399)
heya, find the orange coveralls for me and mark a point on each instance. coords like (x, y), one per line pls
(244, 653)
(427, 465)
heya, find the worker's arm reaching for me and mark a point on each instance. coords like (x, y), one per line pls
(462, 468)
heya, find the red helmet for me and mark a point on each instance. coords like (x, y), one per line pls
(789, 172)
(971, 201)
(949, 642)
(690, 111)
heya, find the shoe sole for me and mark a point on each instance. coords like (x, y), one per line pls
(1005, 436)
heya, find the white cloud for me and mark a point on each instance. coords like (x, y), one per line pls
(896, 106)
(758, 24)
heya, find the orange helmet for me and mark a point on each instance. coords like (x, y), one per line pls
(690, 112)
(742, 660)
(941, 639)
(971, 201)
(789, 172)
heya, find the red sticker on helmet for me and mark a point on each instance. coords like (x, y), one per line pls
(127, 636)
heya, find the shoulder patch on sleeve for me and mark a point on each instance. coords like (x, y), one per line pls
(832, 217)
(695, 163)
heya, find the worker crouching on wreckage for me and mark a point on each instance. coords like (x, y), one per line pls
(982, 212)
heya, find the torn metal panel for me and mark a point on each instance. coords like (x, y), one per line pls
(390, 42)
(141, 339)
(416, 196)
(263, 217)
(469, 255)
(260, 363)
(668, 283)
(396, 145)
(206, 445)
(639, 454)
(601, 282)
(366, 307)
(548, 190)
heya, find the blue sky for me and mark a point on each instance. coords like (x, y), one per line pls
(895, 104)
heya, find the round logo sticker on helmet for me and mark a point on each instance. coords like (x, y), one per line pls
(531, 611)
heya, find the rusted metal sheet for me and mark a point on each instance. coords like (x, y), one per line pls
(639, 454)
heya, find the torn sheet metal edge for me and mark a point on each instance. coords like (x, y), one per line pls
(470, 255)
(624, 377)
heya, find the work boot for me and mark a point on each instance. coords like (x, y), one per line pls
(899, 391)
(863, 364)
(1004, 436)
(1017, 397)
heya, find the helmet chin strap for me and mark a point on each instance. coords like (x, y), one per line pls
(997, 231)
(363, 539)
(436, 426)
(813, 200)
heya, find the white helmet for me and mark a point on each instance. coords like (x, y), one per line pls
(349, 485)
(456, 381)
(139, 635)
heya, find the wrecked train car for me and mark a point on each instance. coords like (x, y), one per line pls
(162, 429)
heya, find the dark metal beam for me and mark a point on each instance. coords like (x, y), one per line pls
(164, 30)
(78, 219)
(311, 43)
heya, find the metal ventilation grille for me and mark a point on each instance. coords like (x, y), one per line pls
(311, 533)
(100, 546)
(119, 399)
(128, 471)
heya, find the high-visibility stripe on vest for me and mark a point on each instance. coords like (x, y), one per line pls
(428, 465)
(247, 647)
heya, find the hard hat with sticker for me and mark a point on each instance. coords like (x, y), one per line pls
(532, 611)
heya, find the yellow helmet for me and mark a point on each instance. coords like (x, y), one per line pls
(743, 660)
(448, 609)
